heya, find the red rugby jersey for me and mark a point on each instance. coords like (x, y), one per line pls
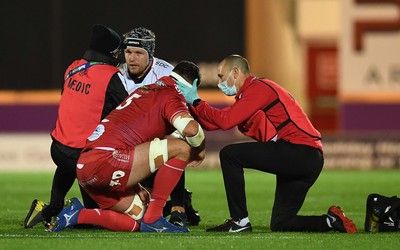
(145, 114)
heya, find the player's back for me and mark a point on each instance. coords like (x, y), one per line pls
(144, 115)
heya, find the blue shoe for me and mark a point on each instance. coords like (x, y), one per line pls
(162, 226)
(68, 217)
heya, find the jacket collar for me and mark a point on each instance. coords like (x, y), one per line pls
(246, 84)
(92, 55)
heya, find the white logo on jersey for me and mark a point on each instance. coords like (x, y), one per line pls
(116, 175)
(97, 132)
(120, 157)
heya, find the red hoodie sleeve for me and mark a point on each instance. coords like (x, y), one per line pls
(204, 123)
(248, 102)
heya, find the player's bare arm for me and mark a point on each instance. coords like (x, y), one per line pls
(193, 134)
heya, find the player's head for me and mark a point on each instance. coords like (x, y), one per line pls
(140, 46)
(105, 40)
(186, 72)
(141, 38)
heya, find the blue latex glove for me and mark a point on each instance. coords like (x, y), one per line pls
(190, 93)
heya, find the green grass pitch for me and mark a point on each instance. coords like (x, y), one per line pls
(347, 188)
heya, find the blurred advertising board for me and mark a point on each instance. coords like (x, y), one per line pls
(369, 87)
(362, 151)
(31, 151)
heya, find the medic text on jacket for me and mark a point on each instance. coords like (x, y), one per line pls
(79, 86)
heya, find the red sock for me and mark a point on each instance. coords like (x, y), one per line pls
(165, 181)
(108, 219)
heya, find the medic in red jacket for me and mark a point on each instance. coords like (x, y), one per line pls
(263, 111)
(287, 145)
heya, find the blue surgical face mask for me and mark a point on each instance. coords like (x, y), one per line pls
(228, 90)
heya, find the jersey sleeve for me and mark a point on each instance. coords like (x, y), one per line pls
(174, 104)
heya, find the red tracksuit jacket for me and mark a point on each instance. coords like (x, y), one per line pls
(262, 110)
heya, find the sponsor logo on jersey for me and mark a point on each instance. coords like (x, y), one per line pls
(120, 156)
(88, 182)
(160, 83)
(97, 132)
(161, 64)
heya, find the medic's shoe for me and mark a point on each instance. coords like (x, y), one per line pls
(34, 215)
(193, 217)
(162, 226)
(339, 221)
(178, 218)
(191, 214)
(231, 226)
(68, 217)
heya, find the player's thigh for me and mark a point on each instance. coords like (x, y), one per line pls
(140, 165)
(150, 156)
(124, 203)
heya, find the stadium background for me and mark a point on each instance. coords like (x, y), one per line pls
(339, 58)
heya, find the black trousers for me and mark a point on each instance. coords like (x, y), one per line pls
(66, 159)
(296, 167)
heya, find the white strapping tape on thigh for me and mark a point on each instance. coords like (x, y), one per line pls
(135, 210)
(129, 208)
(157, 147)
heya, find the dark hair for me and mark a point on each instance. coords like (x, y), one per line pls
(188, 70)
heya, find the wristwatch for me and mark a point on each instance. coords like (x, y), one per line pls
(196, 102)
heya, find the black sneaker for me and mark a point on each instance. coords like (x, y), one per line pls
(178, 218)
(193, 217)
(231, 226)
(34, 215)
(339, 221)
